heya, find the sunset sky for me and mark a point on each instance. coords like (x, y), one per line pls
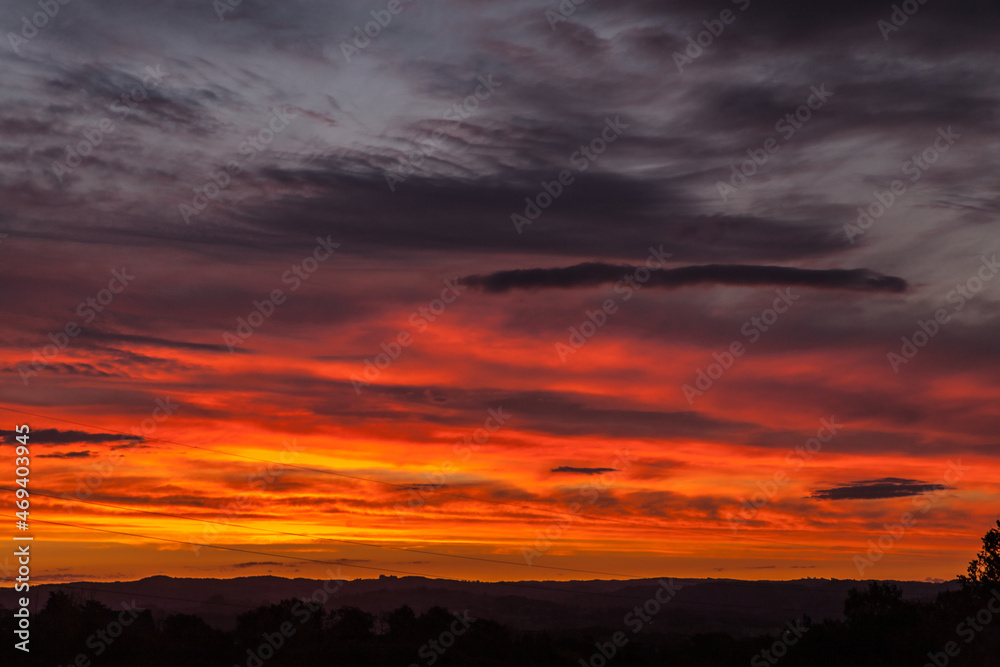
(557, 293)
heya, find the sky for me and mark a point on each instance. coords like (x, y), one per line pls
(501, 291)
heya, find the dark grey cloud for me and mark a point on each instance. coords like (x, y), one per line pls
(590, 274)
(52, 436)
(157, 342)
(60, 368)
(641, 211)
(872, 489)
(65, 455)
(582, 471)
(545, 109)
(259, 563)
(554, 412)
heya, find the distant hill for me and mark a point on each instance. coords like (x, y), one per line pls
(740, 608)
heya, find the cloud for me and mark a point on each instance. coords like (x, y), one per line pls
(583, 471)
(656, 184)
(422, 487)
(53, 436)
(158, 342)
(764, 567)
(872, 489)
(80, 369)
(65, 455)
(590, 274)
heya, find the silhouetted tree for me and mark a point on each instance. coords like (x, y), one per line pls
(187, 639)
(351, 637)
(878, 602)
(984, 569)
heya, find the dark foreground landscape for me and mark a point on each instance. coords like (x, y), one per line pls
(253, 621)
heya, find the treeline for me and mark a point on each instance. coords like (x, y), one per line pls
(879, 629)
